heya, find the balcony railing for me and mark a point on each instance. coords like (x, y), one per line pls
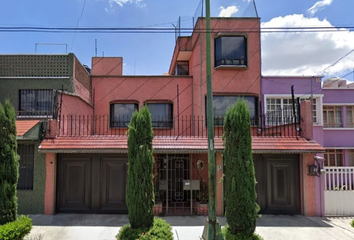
(179, 126)
(34, 115)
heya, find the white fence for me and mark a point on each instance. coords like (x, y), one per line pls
(339, 191)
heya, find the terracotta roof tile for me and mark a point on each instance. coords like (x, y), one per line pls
(24, 126)
(182, 144)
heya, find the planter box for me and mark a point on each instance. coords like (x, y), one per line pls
(157, 209)
(201, 209)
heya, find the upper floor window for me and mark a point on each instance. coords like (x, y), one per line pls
(26, 167)
(182, 69)
(36, 102)
(333, 158)
(161, 114)
(350, 116)
(281, 109)
(221, 103)
(332, 117)
(231, 51)
(121, 114)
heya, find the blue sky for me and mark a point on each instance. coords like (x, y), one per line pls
(152, 52)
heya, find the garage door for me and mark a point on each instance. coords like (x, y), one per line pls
(278, 187)
(91, 183)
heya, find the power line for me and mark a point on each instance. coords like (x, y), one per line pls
(172, 30)
(77, 24)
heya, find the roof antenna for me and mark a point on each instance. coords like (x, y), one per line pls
(95, 47)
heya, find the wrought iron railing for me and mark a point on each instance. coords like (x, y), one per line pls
(179, 126)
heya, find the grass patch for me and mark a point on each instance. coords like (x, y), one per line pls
(352, 223)
(16, 230)
(160, 230)
(229, 236)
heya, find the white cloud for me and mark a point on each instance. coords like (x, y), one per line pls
(319, 6)
(121, 3)
(228, 12)
(305, 53)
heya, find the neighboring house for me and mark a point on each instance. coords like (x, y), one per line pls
(333, 118)
(86, 154)
(38, 86)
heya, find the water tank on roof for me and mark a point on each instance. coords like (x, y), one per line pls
(87, 69)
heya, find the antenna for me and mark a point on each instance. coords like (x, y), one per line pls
(134, 66)
(95, 47)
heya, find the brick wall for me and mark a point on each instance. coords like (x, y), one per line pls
(82, 81)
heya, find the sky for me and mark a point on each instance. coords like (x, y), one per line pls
(150, 54)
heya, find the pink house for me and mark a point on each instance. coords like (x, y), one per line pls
(86, 147)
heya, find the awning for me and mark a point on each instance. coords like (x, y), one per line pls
(118, 144)
(27, 129)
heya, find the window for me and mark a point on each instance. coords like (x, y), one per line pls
(231, 50)
(281, 109)
(25, 180)
(333, 158)
(350, 116)
(161, 114)
(332, 117)
(221, 103)
(182, 69)
(121, 113)
(36, 102)
(351, 157)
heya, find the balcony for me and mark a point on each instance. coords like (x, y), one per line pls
(25, 115)
(179, 126)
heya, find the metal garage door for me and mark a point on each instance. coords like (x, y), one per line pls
(278, 183)
(91, 183)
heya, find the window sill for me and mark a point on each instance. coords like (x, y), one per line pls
(341, 129)
(241, 67)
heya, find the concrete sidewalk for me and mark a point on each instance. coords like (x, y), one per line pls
(106, 227)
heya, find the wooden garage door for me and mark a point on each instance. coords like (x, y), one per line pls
(91, 183)
(278, 186)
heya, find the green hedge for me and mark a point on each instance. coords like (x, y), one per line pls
(160, 230)
(16, 230)
(229, 236)
(352, 223)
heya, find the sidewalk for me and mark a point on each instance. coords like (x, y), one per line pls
(106, 227)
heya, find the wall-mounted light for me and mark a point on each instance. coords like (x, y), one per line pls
(316, 170)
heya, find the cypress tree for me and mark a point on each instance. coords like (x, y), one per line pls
(240, 182)
(8, 164)
(140, 191)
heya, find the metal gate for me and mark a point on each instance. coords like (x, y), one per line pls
(339, 191)
(178, 184)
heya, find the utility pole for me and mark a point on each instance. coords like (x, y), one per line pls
(212, 229)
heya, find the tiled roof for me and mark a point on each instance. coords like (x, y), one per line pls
(24, 126)
(110, 144)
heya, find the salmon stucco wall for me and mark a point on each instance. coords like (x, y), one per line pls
(74, 105)
(107, 66)
(308, 187)
(49, 199)
(226, 80)
(141, 89)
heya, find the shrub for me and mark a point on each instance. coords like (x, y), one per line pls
(229, 236)
(352, 223)
(8, 164)
(16, 230)
(240, 182)
(160, 230)
(140, 190)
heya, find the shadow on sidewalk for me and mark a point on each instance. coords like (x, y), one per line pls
(110, 220)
